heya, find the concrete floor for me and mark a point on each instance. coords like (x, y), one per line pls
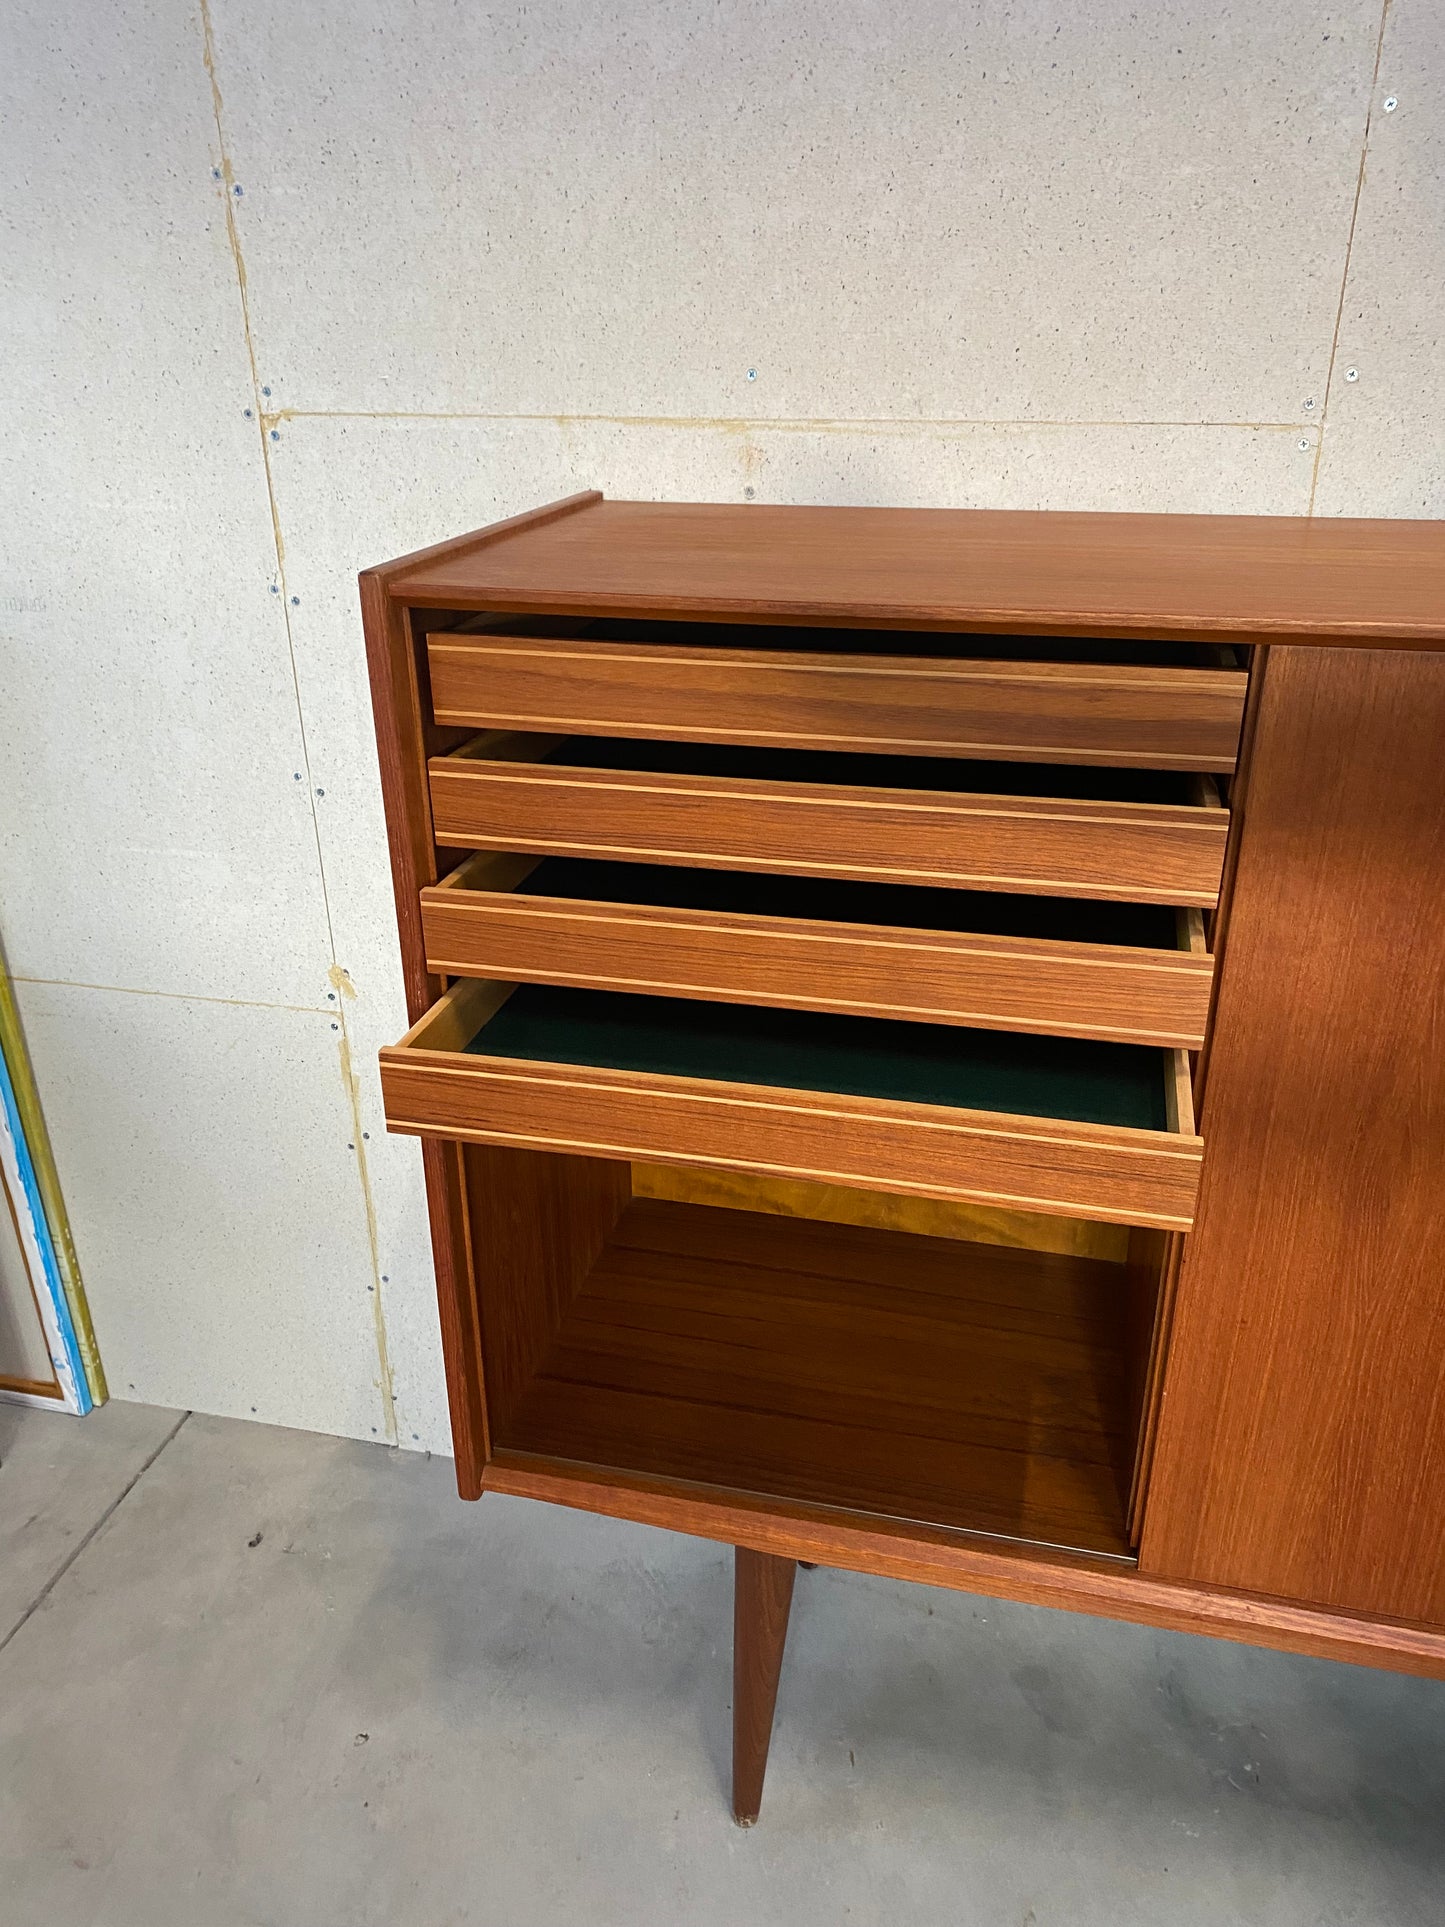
(269, 1679)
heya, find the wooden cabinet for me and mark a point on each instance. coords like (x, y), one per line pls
(955, 862)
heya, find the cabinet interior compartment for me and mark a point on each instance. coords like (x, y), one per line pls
(956, 1384)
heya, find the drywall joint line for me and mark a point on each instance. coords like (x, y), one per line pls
(80, 1546)
(747, 424)
(1349, 250)
(228, 195)
(264, 427)
(181, 996)
(344, 989)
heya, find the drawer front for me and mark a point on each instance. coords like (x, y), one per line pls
(985, 981)
(1107, 1172)
(1155, 718)
(1130, 852)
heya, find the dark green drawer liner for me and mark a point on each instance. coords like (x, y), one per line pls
(1070, 1078)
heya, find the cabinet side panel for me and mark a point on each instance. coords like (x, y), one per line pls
(538, 1223)
(401, 742)
(401, 751)
(1302, 1435)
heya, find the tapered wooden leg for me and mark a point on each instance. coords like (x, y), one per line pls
(762, 1596)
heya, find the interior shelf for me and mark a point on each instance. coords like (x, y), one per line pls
(961, 1385)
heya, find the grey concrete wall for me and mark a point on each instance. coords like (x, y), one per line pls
(293, 289)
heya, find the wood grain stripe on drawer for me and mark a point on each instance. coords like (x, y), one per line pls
(1053, 712)
(984, 981)
(1064, 846)
(1110, 1172)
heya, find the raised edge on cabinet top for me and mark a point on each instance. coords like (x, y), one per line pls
(1223, 578)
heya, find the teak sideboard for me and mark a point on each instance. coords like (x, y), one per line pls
(929, 1048)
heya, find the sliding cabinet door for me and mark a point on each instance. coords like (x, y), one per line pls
(1301, 1448)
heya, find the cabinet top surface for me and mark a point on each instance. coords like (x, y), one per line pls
(1230, 577)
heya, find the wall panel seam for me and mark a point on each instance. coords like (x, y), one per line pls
(1349, 249)
(339, 978)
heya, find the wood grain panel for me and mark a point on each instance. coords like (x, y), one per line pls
(447, 1220)
(1227, 578)
(952, 1384)
(1129, 852)
(1113, 1172)
(1047, 712)
(1153, 1388)
(1301, 1446)
(537, 1226)
(985, 982)
(970, 1562)
(401, 713)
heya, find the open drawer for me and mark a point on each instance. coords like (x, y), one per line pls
(1070, 1126)
(1138, 973)
(1128, 835)
(1004, 703)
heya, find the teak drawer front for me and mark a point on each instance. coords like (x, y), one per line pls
(985, 981)
(1049, 712)
(431, 1085)
(1062, 846)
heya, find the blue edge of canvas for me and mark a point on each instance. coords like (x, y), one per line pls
(53, 1284)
